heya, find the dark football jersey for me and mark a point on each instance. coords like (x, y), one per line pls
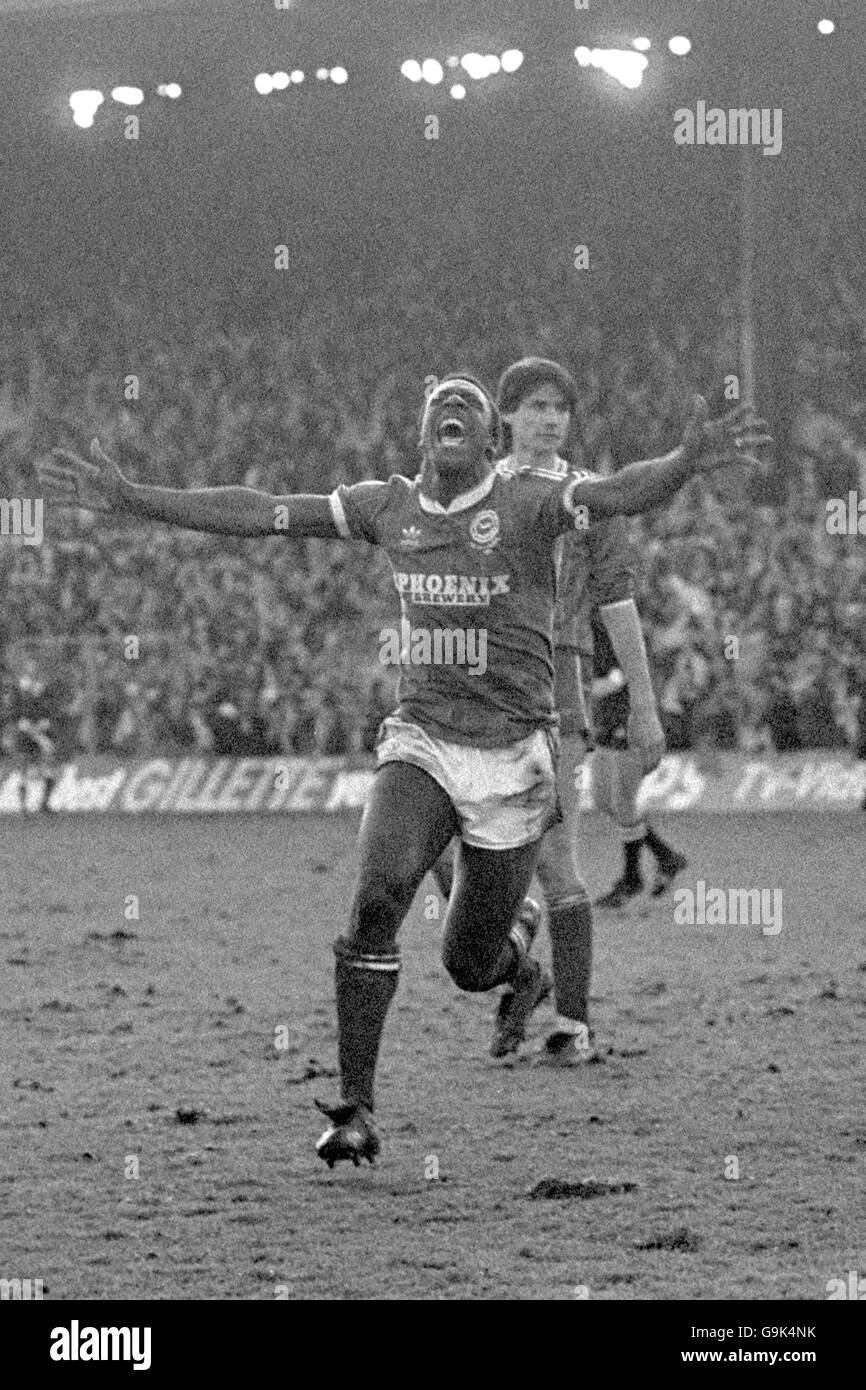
(487, 565)
(595, 562)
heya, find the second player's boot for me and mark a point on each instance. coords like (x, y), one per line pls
(351, 1135)
(666, 872)
(629, 885)
(572, 1048)
(624, 891)
(531, 987)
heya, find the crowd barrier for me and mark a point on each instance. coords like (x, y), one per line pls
(815, 781)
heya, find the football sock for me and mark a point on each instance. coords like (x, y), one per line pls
(570, 927)
(657, 846)
(633, 838)
(365, 985)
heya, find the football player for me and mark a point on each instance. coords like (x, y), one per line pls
(466, 752)
(616, 779)
(537, 399)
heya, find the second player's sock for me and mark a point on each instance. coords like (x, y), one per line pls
(633, 837)
(657, 846)
(570, 928)
(365, 986)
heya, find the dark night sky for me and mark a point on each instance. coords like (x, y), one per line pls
(220, 171)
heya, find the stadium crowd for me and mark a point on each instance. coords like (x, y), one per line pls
(755, 616)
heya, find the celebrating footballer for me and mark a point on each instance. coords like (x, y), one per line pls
(466, 754)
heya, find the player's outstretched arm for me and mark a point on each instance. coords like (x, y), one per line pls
(645, 733)
(707, 444)
(100, 486)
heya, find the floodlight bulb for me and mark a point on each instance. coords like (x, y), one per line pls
(86, 100)
(474, 64)
(511, 59)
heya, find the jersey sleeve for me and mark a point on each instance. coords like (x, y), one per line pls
(596, 566)
(558, 514)
(358, 509)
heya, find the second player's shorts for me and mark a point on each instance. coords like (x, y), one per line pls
(504, 797)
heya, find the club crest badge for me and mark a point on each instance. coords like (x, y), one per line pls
(484, 530)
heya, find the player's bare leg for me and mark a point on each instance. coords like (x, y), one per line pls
(443, 870)
(510, 1023)
(484, 945)
(408, 821)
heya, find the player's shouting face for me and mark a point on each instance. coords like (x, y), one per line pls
(459, 428)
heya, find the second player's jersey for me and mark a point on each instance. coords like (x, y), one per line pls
(594, 563)
(480, 573)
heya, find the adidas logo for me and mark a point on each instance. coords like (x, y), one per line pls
(411, 538)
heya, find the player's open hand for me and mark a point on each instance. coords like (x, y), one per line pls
(732, 438)
(99, 486)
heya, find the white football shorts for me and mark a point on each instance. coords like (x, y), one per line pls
(504, 797)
